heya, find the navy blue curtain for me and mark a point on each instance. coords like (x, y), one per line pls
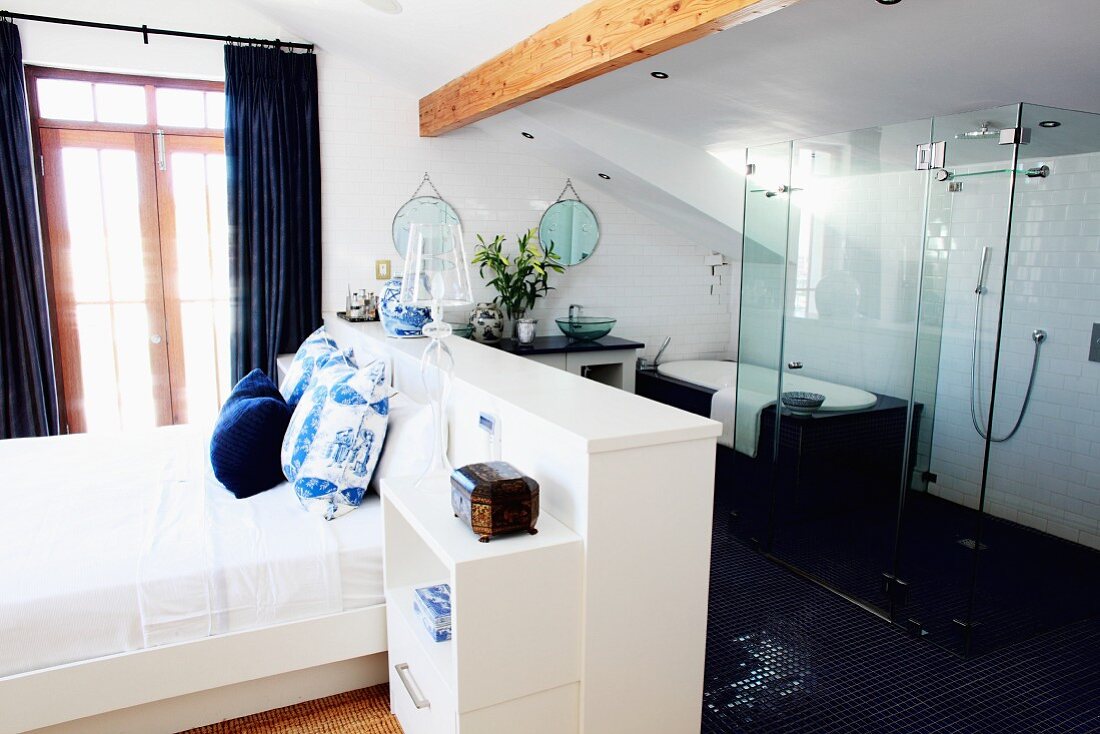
(28, 394)
(272, 149)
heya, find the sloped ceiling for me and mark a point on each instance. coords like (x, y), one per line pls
(825, 66)
(815, 68)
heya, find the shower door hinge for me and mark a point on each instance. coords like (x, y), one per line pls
(931, 155)
(895, 590)
(1015, 135)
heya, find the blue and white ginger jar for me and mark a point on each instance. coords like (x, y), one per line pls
(488, 322)
(399, 319)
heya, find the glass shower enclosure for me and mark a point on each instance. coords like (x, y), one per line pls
(935, 283)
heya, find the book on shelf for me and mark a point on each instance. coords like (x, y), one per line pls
(432, 606)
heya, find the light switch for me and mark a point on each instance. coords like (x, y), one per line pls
(1094, 350)
(382, 270)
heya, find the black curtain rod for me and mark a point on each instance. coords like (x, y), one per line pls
(146, 31)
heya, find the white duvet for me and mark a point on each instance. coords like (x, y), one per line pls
(115, 543)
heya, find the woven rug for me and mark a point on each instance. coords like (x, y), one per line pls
(366, 711)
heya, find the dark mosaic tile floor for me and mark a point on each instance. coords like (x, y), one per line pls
(784, 655)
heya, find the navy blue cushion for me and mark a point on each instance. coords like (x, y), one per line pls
(248, 436)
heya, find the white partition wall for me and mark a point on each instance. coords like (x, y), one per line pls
(634, 479)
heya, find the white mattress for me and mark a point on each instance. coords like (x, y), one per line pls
(116, 543)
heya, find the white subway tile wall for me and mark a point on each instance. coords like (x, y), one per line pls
(653, 281)
(1048, 475)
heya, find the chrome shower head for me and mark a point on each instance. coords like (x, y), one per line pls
(987, 130)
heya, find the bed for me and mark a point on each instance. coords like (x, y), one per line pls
(116, 545)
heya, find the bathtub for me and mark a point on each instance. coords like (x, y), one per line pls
(757, 391)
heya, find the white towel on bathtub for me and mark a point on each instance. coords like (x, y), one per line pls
(740, 428)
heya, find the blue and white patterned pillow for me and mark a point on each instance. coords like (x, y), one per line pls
(318, 347)
(332, 445)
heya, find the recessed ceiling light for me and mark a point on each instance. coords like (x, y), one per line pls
(658, 74)
(391, 7)
(1050, 123)
(527, 135)
(888, 2)
(604, 176)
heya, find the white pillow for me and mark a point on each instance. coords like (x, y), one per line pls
(318, 346)
(335, 437)
(408, 447)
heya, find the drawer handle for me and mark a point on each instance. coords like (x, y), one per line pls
(410, 685)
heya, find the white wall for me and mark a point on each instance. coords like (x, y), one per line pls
(653, 280)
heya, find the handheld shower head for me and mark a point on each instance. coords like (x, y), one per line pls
(980, 287)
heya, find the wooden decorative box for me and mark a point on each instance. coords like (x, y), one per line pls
(494, 499)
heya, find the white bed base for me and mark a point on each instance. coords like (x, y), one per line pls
(174, 687)
(616, 469)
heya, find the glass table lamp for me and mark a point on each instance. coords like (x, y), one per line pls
(436, 275)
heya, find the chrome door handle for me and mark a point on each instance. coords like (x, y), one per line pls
(156, 338)
(410, 686)
(794, 365)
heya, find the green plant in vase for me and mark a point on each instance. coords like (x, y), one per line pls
(519, 280)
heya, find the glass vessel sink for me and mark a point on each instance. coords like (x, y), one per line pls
(585, 328)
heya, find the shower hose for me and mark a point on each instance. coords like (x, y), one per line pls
(975, 397)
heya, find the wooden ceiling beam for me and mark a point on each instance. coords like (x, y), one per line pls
(592, 40)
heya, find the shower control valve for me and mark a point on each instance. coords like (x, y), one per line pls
(794, 365)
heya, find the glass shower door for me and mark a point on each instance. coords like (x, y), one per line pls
(747, 494)
(854, 249)
(966, 232)
(1038, 566)
(948, 317)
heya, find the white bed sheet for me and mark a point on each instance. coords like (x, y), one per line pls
(115, 543)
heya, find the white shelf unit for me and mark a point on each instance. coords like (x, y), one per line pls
(514, 660)
(620, 471)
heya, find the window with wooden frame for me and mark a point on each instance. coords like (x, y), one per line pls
(132, 190)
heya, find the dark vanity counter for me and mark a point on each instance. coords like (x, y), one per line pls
(564, 345)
